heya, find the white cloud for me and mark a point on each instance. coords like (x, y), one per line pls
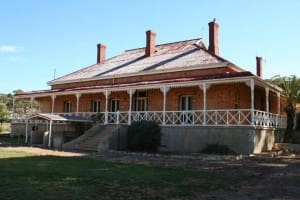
(16, 59)
(8, 48)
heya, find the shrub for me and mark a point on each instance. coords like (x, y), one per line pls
(96, 117)
(144, 136)
(219, 149)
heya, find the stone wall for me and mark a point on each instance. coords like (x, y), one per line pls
(183, 139)
(242, 140)
(118, 141)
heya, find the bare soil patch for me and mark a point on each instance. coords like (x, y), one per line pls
(44, 152)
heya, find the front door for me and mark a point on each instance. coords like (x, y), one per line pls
(186, 115)
(140, 105)
(114, 108)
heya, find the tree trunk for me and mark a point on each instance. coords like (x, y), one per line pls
(290, 124)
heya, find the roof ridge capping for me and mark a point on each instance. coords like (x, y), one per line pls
(199, 42)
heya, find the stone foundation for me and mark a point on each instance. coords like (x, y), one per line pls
(176, 139)
(242, 140)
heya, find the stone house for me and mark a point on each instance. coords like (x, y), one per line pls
(195, 95)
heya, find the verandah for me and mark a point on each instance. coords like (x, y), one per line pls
(185, 114)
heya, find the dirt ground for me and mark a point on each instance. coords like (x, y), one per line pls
(268, 177)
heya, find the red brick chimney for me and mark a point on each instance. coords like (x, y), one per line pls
(213, 37)
(100, 53)
(259, 66)
(150, 43)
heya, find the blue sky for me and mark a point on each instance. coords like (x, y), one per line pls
(37, 36)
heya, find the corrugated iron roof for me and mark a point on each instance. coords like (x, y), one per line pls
(167, 56)
(59, 117)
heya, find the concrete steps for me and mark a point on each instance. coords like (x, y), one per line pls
(94, 139)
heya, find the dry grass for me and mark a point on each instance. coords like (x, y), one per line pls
(30, 176)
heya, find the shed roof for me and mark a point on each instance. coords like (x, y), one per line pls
(58, 117)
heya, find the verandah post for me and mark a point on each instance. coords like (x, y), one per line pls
(107, 93)
(252, 100)
(26, 132)
(267, 106)
(130, 92)
(50, 134)
(204, 87)
(164, 90)
(77, 102)
(53, 103)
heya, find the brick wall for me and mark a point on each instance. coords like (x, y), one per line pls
(174, 94)
(228, 96)
(59, 103)
(86, 101)
(45, 104)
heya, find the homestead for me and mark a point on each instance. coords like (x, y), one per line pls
(195, 95)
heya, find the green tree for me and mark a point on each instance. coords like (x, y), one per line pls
(291, 90)
(23, 105)
(3, 114)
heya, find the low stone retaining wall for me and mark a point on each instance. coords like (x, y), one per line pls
(241, 139)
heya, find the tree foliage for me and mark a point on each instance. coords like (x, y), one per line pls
(24, 105)
(291, 90)
(4, 114)
(21, 106)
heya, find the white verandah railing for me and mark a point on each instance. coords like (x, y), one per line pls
(231, 117)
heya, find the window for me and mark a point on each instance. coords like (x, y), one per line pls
(67, 107)
(185, 103)
(95, 106)
(114, 105)
(140, 101)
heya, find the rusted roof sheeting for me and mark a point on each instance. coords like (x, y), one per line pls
(167, 56)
